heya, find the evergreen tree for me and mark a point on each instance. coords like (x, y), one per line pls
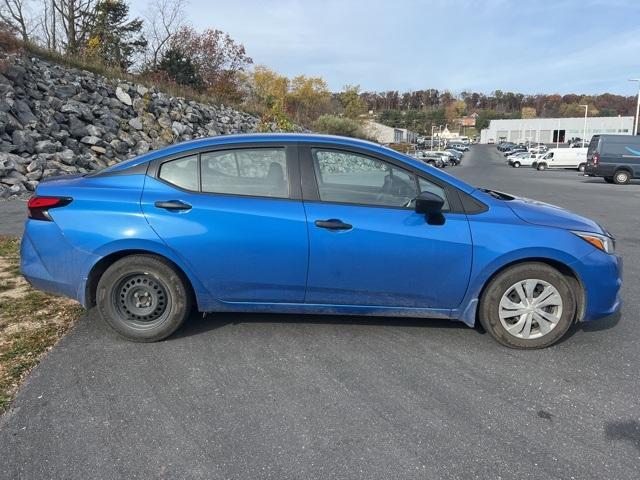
(180, 68)
(114, 38)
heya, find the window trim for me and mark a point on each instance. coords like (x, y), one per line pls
(310, 187)
(291, 161)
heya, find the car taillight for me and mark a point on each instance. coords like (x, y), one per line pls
(596, 158)
(39, 206)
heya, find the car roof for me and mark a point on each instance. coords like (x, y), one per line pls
(249, 138)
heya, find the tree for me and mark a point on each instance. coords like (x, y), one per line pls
(528, 112)
(180, 69)
(76, 17)
(114, 38)
(307, 99)
(14, 14)
(351, 101)
(216, 57)
(164, 18)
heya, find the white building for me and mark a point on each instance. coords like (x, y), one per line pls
(384, 134)
(552, 130)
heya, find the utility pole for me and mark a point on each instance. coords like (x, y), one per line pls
(584, 136)
(635, 125)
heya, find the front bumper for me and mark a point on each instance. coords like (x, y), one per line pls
(601, 276)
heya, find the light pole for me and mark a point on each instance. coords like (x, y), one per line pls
(635, 125)
(584, 136)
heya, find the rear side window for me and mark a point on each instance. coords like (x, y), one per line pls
(182, 172)
(254, 172)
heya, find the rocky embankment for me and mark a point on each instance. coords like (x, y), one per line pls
(56, 120)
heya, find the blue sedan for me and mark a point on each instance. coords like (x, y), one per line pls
(312, 224)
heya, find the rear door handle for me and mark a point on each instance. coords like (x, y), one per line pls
(333, 224)
(173, 205)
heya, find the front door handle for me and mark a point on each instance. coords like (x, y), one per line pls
(333, 224)
(173, 205)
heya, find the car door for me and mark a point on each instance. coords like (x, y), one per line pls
(235, 217)
(367, 245)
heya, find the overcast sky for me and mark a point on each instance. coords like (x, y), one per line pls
(528, 46)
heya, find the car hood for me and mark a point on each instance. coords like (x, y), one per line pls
(545, 214)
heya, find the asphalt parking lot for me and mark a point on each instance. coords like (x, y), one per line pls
(273, 396)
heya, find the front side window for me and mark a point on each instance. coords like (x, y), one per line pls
(253, 172)
(182, 172)
(346, 177)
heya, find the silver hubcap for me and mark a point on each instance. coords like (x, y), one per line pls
(622, 177)
(530, 309)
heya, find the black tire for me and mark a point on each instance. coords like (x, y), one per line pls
(488, 310)
(581, 167)
(516, 164)
(608, 179)
(621, 177)
(542, 166)
(129, 289)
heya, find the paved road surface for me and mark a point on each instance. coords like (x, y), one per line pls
(12, 217)
(259, 396)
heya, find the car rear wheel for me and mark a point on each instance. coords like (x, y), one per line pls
(581, 167)
(516, 164)
(143, 298)
(528, 306)
(542, 166)
(621, 177)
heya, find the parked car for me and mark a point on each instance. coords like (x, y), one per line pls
(431, 158)
(539, 149)
(513, 150)
(563, 158)
(504, 146)
(297, 223)
(491, 141)
(459, 146)
(523, 160)
(616, 158)
(456, 156)
(579, 145)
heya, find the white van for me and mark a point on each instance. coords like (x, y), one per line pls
(563, 158)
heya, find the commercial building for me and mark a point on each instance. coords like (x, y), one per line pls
(384, 134)
(552, 130)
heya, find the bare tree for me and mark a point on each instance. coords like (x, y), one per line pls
(14, 14)
(75, 17)
(49, 25)
(163, 19)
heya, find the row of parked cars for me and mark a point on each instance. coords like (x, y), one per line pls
(616, 158)
(450, 155)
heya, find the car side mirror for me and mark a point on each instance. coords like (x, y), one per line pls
(428, 203)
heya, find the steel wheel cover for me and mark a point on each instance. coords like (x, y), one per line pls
(530, 309)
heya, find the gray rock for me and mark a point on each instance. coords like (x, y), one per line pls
(23, 112)
(65, 91)
(123, 96)
(136, 123)
(67, 156)
(90, 140)
(178, 128)
(94, 131)
(46, 146)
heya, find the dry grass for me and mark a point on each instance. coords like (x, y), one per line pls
(31, 322)
(164, 85)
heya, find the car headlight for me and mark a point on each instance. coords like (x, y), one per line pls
(601, 242)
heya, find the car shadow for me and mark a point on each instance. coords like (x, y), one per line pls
(198, 323)
(624, 430)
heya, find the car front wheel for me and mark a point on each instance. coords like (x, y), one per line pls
(143, 298)
(542, 166)
(516, 164)
(528, 306)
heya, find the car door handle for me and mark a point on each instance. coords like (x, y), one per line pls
(333, 224)
(173, 205)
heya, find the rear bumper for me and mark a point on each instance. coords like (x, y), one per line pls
(601, 275)
(50, 263)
